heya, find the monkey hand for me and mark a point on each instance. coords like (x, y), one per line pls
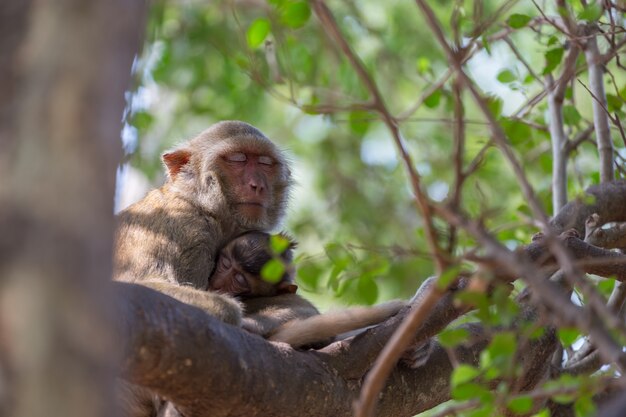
(417, 355)
(253, 326)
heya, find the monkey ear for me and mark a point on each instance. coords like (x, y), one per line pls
(175, 161)
(287, 288)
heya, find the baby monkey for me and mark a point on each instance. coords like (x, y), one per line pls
(274, 310)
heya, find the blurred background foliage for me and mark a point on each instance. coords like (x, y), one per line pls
(271, 64)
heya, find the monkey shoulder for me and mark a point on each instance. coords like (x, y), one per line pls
(167, 236)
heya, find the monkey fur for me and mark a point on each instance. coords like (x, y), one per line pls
(274, 310)
(228, 179)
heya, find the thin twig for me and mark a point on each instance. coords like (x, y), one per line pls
(498, 134)
(330, 25)
(459, 152)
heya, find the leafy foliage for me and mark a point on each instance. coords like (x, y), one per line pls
(361, 238)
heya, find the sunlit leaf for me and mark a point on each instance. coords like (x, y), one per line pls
(423, 65)
(606, 286)
(453, 337)
(518, 21)
(296, 14)
(309, 274)
(278, 244)
(592, 12)
(257, 32)
(568, 335)
(433, 100)
(516, 131)
(584, 406)
(462, 374)
(495, 105)
(273, 271)
(368, 290)
(448, 277)
(506, 76)
(571, 116)
(614, 102)
(142, 120)
(520, 405)
(359, 122)
(472, 391)
(553, 59)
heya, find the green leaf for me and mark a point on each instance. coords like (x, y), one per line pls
(471, 391)
(606, 286)
(278, 244)
(553, 59)
(453, 337)
(516, 131)
(495, 105)
(520, 405)
(142, 120)
(484, 411)
(485, 40)
(423, 65)
(568, 335)
(591, 12)
(296, 14)
(462, 374)
(506, 76)
(518, 21)
(257, 32)
(309, 274)
(614, 102)
(338, 255)
(368, 290)
(359, 122)
(584, 406)
(433, 100)
(273, 271)
(503, 345)
(571, 116)
(448, 276)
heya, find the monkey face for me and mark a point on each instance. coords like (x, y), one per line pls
(239, 264)
(233, 172)
(250, 179)
(229, 277)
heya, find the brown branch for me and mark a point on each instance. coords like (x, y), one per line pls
(208, 368)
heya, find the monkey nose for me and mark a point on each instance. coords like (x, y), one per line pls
(256, 187)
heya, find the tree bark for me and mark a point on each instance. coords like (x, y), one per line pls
(63, 71)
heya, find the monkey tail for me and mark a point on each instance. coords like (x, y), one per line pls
(325, 326)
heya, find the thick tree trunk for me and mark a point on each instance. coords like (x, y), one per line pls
(64, 67)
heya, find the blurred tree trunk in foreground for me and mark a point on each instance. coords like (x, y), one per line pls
(64, 67)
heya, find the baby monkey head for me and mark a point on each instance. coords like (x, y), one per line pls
(240, 263)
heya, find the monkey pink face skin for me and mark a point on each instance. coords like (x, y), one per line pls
(251, 177)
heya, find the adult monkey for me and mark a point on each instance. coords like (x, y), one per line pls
(228, 179)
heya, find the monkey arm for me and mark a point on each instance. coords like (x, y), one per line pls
(265, 314)
(221, 306)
